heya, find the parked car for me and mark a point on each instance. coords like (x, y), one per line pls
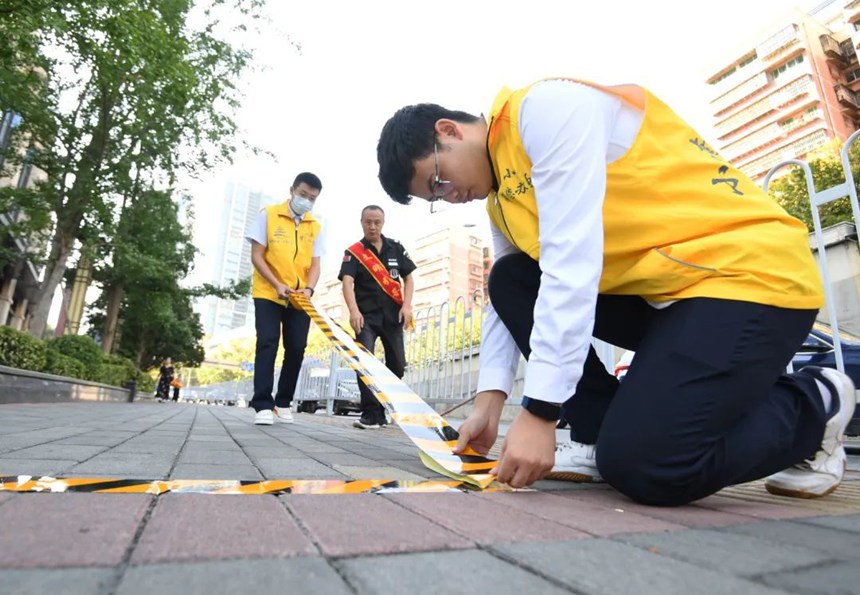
(817, 350)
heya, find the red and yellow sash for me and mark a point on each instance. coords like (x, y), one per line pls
(378, 271)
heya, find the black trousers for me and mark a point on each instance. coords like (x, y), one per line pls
(272, 321)
(391, 335)
(706, 402)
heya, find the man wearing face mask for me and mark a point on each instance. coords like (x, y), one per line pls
(287, 242)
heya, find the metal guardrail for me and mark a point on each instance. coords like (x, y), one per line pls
(817, 198)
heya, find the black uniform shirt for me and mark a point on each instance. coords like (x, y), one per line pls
(369, 296)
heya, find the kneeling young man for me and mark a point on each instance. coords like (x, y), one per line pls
(613, 218)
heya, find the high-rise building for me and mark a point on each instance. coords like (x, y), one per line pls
(450, 265)
(227, 257)
(789, 90)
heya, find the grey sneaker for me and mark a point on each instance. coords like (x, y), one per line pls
(284, 416)
(575, 462)
(821, 474)
(264, 418)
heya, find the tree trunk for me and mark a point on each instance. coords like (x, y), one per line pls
(114, 301)
(60, 251)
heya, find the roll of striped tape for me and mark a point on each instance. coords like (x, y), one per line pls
(434, 437)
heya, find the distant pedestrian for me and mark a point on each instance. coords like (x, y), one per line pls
(176, 384)
(165, 377)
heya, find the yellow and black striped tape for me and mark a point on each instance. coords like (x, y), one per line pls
(433, 436)
(102, 485)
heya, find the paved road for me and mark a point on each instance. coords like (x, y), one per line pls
(560, 538)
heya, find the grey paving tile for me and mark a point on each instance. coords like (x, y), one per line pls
(90, 440)
(71, 581)
(375, 472)
(57, 451)
(131, 470)
(838, 544)
(311, 576)
(600, 566)
(343, 459)
(273, 452)
(215, 472)
(842, 522)
(727, 552)
(482, 520)
(296, 469)
(434, 573)
(837, 579)
(220, 457)
(35, 467)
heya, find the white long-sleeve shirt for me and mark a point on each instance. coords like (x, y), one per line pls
(570, 132)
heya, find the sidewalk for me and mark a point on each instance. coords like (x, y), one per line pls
(559, 538)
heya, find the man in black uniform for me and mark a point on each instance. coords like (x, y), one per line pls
(379, 306)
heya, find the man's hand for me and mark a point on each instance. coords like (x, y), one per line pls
(284, 291)
(305, 292)
(481, 428)
(405, 316)
(528, 452)
(356, 321)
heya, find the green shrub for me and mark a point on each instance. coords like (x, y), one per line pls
(115, 375)
(82, 348)
(124, 362)
(20, 350)
(145, 383)
(63, 365)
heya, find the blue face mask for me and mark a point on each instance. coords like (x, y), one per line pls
(301, 205)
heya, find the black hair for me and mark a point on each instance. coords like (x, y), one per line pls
(372, 208)
(406, 137)
(309, 179)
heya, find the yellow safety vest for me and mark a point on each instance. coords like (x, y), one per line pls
(678, 220)
(289, 251)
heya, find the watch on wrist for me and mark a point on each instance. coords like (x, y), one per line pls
(311, 289)
(542, 409)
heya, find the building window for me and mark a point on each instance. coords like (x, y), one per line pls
(853, 75)
(776, 72)
(748, 60)
(725, 75)
(856, 25)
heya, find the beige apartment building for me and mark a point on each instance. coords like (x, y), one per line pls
(789, 90)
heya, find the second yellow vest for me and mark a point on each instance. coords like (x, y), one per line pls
(289, 251)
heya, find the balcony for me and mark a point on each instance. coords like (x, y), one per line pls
(832, 48)
(784, 38)
(846, 97)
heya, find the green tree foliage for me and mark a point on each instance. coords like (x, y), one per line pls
(82, 349)
(790, 191)
(115, 95)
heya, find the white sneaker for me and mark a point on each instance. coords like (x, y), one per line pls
(823, 473)
(575, 462)
(284, 416)
(264, 418)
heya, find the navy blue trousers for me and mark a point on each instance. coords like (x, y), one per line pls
(706, 402)
(272, 321)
